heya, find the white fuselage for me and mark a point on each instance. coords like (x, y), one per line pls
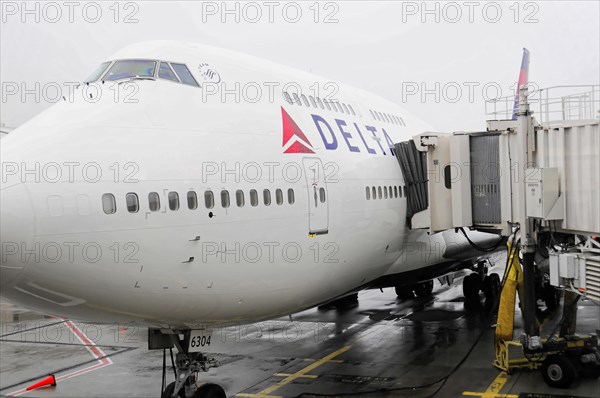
(62, 254)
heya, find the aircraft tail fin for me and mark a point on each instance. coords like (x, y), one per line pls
(523, 80)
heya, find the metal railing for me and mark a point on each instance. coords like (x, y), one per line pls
(578, 102)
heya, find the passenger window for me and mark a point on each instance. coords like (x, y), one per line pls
(184, 74)
(267, 197)
(322, 195)
(312, 101)
(209, 199)
(253, 198)
(400, 191)
(154, 201)
(368, 193)
(279, 197)
(390, 191)
(351, 110)
(304, 100)
(291, 196)
(380, 192)
(239, 198)
(165, 72)
(225, 199)
(173, 201)
(320, 103)
(327, 104)
(402, 122)
(133, 203)
(288, 98)
(374, 192)
(335, 105)
(372, 114)
(385, 195)
(192, 200)
(395, 191)
(345, 108)
(297, 99)
(109, 204)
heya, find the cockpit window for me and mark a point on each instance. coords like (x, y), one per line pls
(165, 72)
(130, 68)
(98, 72)
(184, 74)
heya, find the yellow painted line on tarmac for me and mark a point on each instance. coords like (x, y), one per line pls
(266, 393)
(331, 360)
(493, 391)
(289, 374)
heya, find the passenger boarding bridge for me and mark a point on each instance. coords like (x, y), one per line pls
(536, 182)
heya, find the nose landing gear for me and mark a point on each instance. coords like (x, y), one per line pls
(187, 366)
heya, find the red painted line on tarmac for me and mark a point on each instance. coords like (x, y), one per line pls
(94, 350)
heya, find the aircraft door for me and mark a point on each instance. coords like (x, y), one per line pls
(318, 199)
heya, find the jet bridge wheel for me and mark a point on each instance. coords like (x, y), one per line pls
(471, 285)
(558, 371)
(423, 289)
(491, 286)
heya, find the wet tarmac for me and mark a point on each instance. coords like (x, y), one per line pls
(381, 347)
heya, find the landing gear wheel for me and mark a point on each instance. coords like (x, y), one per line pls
(471, 285)
(491, 286)
(168, 393)
(404, 292)
(210, 391)
(423, 289)
(558, 371)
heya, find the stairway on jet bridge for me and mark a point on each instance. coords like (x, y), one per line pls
(537, 182)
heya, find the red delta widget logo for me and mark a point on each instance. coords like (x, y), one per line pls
(295, 141)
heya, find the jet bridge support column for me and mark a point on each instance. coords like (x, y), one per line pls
(528, 243)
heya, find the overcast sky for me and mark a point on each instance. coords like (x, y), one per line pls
(384, 47)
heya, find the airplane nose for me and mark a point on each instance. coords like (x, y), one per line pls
(16, 232)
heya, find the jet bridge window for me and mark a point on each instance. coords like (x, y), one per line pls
(165, 72)
(173, 201)
(154, 201)
(133, 203)
(184, 74)
(109, 204)
(130, 68)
